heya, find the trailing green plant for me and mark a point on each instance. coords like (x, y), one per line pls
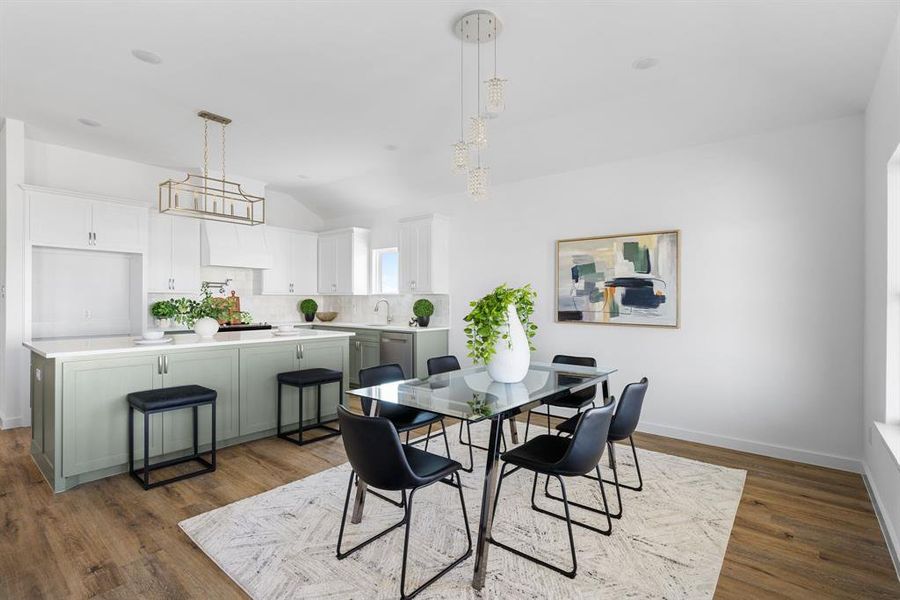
(423, 308)
(189, 311)
(487, 321)
(308, 306)
(164, 309)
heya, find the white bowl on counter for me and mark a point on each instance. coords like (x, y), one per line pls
(154, 334)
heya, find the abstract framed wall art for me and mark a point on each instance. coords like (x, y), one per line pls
(619, 279)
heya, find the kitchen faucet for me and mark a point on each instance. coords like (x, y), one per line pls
(388, 308)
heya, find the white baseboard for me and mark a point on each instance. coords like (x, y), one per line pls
(887, 529)
(13, 422)
(842, 463)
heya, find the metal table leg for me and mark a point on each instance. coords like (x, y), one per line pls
(488, 496)
(360, 501)
(513, 431)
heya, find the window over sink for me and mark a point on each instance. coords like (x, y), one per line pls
(385, 271)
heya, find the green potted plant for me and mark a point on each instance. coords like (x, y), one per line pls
(423, 309)
(499, 331)
(308, 308)
(201, 315)
(163, 311)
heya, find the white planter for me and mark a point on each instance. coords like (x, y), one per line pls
(163, 323)
(512, 356)
(206, 327)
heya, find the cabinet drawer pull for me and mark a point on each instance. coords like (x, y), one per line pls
(166, 364)
(301, 351)
(159, 365)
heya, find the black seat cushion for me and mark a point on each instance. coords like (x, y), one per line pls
(568, 426)
(539, 454)
(309, 377)
(405, 418)
(427, 466)
(171, 397)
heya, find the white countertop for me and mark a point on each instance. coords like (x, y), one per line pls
(77, 347)
(379, 327)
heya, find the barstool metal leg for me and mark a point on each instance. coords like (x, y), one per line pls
(146, 451)
(196, 437)
(131, 439)
(278, 413)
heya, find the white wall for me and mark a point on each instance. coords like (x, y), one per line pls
(14, 366)
(882, 137)
(768, 356)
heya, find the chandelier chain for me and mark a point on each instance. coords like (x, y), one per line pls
(206, 147)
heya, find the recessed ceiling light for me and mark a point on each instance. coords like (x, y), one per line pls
(390, 147)
(146, 56)
(644, 63)
(89, 122)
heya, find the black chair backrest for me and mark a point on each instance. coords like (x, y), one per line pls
(628, 412)
(442, 364)
(376, 376)
(587, 394)
(587, 444)
(375, 452)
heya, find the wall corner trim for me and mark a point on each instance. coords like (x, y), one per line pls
(887, 529)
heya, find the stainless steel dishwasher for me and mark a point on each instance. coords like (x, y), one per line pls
(398, 348)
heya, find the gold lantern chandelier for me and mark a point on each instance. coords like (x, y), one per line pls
(205, 197)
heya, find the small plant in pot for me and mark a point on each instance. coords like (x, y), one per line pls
(423, 309)
(164, 311)
(308, 309)
(499, 331)
(202, 315)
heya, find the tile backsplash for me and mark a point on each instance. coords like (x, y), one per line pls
(281, 309)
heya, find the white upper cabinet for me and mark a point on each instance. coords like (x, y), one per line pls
(294, 263)
(424, 248)
(344, 261)
(64, 220)
(174, 255)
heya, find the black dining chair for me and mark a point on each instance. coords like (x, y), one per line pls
(623, 426)
(379, 460)
(574, 400)
(558, 457)
(404, 418)
(446, 364)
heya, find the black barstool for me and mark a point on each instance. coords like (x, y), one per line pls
(308, 378)
(558, 457)
(623, 426)
(150, 402)
(574, 400)
(379, 459)
(447, 364)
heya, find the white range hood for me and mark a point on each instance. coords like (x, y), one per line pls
(229, 245)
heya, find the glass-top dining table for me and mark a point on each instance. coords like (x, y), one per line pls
(471, 395)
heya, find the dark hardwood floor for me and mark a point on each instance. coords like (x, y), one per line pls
(800, 531)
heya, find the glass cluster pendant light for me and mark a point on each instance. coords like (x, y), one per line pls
(477, 27)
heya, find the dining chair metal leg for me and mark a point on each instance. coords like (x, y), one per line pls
(467, 554)
(398, 503)
(472, 445)
(341, 555)
(605, 511)
(637, 466)
(446, 441)
(568, 573)
(427, 437)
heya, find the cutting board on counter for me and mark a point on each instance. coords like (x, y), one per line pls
(232, 304)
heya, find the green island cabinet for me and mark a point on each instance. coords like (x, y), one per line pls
(80, 412)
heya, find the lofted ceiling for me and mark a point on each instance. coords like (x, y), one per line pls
(353, 106)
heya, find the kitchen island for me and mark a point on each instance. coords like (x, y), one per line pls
(78, 390)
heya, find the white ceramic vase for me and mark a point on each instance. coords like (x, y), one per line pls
(163, 323)
(206, 327)
(512, 355)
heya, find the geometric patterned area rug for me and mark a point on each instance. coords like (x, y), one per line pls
(670, 542)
